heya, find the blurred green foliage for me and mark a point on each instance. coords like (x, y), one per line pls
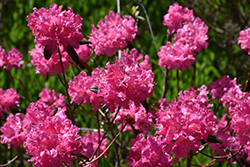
(223, 56)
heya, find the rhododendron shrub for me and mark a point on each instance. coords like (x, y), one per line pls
(124, 120)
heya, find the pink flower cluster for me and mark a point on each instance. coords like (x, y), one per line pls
(193, 34)
(112, 34)
(55, 28)
(186, 121)
(244, 39)
(137, 116)
(176, 56)
(51, 98)
(190, 38)
(44, 66)
(8, 99)
(237, 104)
(89, 144)
(120, 82)
(219, 87)
(47, 137)
(150, 152)
(176, 17)
(228, 142)
(10, 59)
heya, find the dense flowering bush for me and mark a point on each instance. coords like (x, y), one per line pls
(121, 96)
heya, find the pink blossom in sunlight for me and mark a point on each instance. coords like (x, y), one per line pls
(112, 34)
(44, 66)
(10, 59)
(8, 99)
(12, 131)
(219, 87)
(186, 120)
(51, 98)
(84, 53)
(178, 56)
(244, 40)
(137, 116)
(55, 28)
(193, 34)
(149, 152)
(176, 16)
(89, 144)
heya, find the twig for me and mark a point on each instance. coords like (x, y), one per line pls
(7, 164)
(105, 133)
(194, 78)
(115, 145)
(247, 85)
(21, 83)
(178, 85)
(107, 147)
(118, 6)
(65, 85)
(165, 86)
(149, 24)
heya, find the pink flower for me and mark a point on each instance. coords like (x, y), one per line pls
(13, 59)
(13, 131)
(8, 99)
(183, 145)
(80, 88)
(84, 53)
(149, 152)
(125, 81)
(177, 56)
(112, 34)
(219, 87)
(50, 138)
(187, 120)
(244, 39)
(54, 28)
(2, 56)
(120, 82)
(10, 59)
(176, 16)
(137, 116)
(89, 143)
(51, 98)
(44, 66)
(193, 34)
